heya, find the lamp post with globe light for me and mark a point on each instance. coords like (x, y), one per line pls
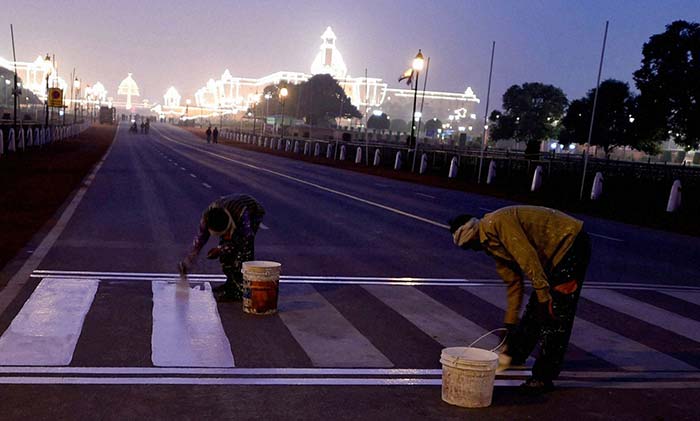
(417, 66)
(47, 67)
(76, 86)
(283, 95)
(267, 109)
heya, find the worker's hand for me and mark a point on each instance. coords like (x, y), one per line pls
(214, 253)
(182, 268)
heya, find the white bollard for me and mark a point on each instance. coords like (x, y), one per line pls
(288, 146)
(296, 146)
(2, 144)
(37, 137)
(492, 172)
(329, 151)
(537, 179)
(11, 147)
(397, 161)
(343, 152)
(597, 189)
(30, 138)
(674, 199)
(377, 157)
(358, 155)
(306, 148)
(20, 142)
(423, 164)
(317, 149)
(453, 168)
(46, 136)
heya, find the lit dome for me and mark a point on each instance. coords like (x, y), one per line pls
(329, 60)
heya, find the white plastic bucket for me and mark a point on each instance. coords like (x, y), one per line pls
(260, 286)
(468, 375)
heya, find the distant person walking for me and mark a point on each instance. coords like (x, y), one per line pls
(235, 219)
(552, 250)
(215, 135)
(208, 132)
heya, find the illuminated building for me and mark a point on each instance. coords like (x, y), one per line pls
(232, 94)
(129, 88)
(33, 75)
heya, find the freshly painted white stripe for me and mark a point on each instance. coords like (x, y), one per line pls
(651, 314)
(192, 175)
(325, 335)
(19, 279)
(206, 185)
(263, 226)
(425, 195)
(308, 183)
(691, 297)
(606, 237)
(435, 319)
(603, 343)
(187, 330)
(46, 330)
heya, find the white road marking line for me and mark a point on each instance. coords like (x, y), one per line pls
(425, 195)
(17, 282)
(46, 330)
(308, 183)
(328, 338)
(651, 314)
(183, 168)
(187, 330)
(41, 273)
(206, 185)
(263, 226)
(606, 237)
(605, 344)
(691, 297)
(192, 175)
(486, 209)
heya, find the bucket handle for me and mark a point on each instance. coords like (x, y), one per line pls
(503, 341)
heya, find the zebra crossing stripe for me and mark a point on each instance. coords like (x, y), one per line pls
(187, 330)
(653, 315)
(435, 319)
(46, 330)
(325, 335)
(691, 297)
(605, 344)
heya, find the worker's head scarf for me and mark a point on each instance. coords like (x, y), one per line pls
(229, 227)
(467, 232)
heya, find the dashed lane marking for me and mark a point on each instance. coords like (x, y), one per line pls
(206, 185)
(619, 240)
(192, 175)
(425, 195)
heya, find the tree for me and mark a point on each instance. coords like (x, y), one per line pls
(400, 126)
(531, 114)
(432, 126)
(614, 123)
(321, 98)
(669, 85)
(379, 122)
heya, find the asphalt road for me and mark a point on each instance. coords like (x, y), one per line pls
(347, 241)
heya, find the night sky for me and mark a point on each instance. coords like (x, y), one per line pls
(183, 44)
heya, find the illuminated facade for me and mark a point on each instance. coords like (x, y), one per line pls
(33, 75)
(232, 94)
(129, 88)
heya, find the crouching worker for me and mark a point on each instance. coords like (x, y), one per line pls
(552, 250)
(235, 219)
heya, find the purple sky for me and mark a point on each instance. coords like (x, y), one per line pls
(184, 43)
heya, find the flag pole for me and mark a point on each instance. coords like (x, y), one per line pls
(486, 115)
(595, 104)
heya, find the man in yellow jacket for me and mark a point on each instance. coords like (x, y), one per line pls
(552, 250)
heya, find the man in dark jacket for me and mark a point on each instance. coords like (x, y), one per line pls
(235, 219)
(552, 250)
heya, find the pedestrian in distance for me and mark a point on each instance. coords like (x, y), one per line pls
(552, 250)
(147, 126)
(208, 132)
(215, 135)
(235, 219)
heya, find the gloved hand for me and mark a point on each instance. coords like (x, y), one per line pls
(214, 253)
(182, 268)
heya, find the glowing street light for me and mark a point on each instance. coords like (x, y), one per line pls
(283, 94)
(47, 68)
(417, 66)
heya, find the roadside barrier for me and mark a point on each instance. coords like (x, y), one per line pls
(11, 141)
(397, 161)
(423, 164)
(674, 198)
(492, 172)
(536, 179)
(597, 189)
(377, 157)
(453, 168)
(358, 155)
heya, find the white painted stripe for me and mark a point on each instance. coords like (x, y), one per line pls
(605, 344)
(651, 314)
(187, 330)
(425, 195)
(192, 175)
(263, 226)
(691, 297)
(486, 209)
(183, 168)
(308, 183)
(206, 185)
(19, 279)
(325, 335)
(435, 319)
(46, 330)
(606, 237)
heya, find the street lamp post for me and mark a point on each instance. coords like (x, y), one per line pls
(417, 66)
(283, 94)
(256, 98)
(47, 66)
(76, 86)
(267, 110)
